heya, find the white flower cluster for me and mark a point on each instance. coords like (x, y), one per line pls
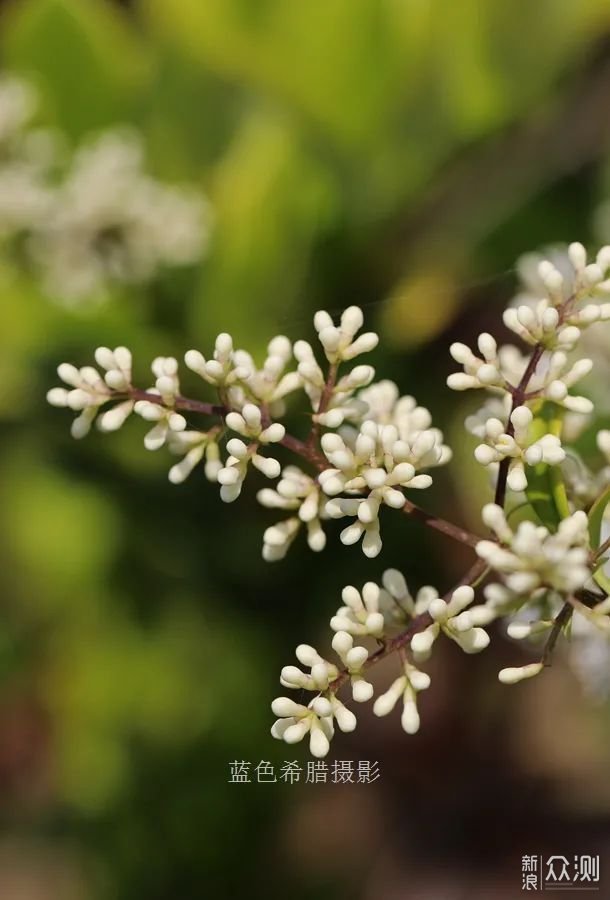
(452, 618)
(518, 447)
(249, 424)
(90, 391)
(531, 559)
(377, 464)
(93, 219)
(375, 611)
(556, 321)
(389, 441)
(500, 370)
(235, 375)
(317, 719)
(301, 493)
(539, 571)
(163, 414)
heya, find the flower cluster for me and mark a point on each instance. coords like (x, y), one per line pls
(517, 447)
(502, 372)
(95, 218)
(531, 560)
(371, 461)
(379, 611)
(378, 464)
(300, 493)
(248, 423)
(539, 571)
(367, 448)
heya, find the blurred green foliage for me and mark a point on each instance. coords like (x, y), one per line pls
(140, 628)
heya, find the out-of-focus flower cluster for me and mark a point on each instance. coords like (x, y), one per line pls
(93, 218)
(367, 448)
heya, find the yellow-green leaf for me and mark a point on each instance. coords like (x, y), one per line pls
(546, 491)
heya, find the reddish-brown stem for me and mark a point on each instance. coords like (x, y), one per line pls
(442, 525)
(305, 451)
(327, 393)
(182, 403)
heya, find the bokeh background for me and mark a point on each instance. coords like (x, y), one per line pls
(397, 154)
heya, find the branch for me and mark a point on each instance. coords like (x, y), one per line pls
(324, 401)
(182, 403)
(603, 548)
(442, 525)
(305, 451)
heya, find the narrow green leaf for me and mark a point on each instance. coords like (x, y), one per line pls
(596, 515)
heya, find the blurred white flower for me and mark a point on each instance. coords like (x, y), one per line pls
(109, 222)
(26, 157)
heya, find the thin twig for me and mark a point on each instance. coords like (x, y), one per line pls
(454, 531)
(327, 392)
(561, 619)
(185, 404)
(603, 548)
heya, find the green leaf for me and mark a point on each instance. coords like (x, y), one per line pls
(546, 491)
(596, 515)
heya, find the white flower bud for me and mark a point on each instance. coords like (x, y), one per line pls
(321, 706)
(514, 675)
(318, 743)
(421, 643)
(385, 703)
(285, 707)
(410, 717)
